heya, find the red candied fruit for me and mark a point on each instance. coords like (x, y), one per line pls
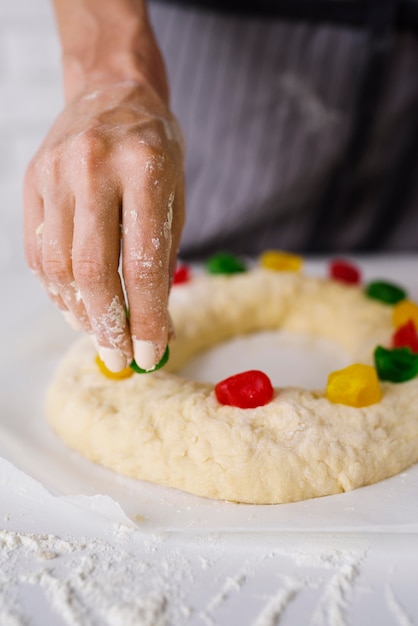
(246, 390)
(181, 275)
(406, 337)
(344, 271)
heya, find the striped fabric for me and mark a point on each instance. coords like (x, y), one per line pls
(267, 109)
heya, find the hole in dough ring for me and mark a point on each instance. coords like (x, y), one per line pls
(168, 430)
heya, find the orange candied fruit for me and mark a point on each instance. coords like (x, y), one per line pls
(403, 312)
(356, 385)
(281, 261)
(125, 373)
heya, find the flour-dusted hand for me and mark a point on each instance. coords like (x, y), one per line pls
(108, 178)
(103, 196)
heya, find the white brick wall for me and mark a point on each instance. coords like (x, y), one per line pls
(30, 98)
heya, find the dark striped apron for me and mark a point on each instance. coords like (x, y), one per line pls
(300, 121)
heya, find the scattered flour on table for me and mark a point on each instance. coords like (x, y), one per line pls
(332, 608)
(398, 612)
(92, 582)
(89, 583)
(273, 610)
(232, 584)
(334, 591)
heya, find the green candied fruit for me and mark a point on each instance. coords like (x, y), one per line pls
(385, 292)
(160, 364)
(397, 365)
(224, 263)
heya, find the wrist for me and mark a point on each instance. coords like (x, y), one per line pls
(106, 42)
(121, 69)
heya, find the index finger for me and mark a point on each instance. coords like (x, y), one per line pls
(95, 266)
(146, 245)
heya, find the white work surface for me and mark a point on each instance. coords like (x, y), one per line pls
(83, 546)
(83, 562)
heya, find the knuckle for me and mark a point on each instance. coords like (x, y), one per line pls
(89, 271)
(45, 168)
(144, 274)
(150, 143)
(32, 259)
(48, 161)
(87, 142)
(57, 270)
(152, 132)
(157, 163)
(89, 146)
(133, 272)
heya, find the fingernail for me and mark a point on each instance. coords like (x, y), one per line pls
(113, 358)
(145, 354)
(71, 319)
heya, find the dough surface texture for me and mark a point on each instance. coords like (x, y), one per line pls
(172, 431)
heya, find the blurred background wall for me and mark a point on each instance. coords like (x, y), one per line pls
(30, 98)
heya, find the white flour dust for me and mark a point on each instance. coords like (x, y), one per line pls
(87, 583)
(112, 323)
(163, 580)
(333, 607)
(400, 616)
(273, 610)
(232, 585)
(77, 292)
(169, 221)
(140, 258)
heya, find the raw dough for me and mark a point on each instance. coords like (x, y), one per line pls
(165, 429)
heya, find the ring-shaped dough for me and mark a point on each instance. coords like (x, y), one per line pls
(165, 429)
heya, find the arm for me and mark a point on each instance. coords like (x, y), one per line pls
(107, 183)
(107, 42)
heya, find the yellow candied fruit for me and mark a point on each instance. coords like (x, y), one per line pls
(403, 312)
(281, 261)
(125, 373)
(356, 385)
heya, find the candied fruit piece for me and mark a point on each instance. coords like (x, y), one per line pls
(406, 337)
(160, 364)
(344, 272)
(246, 390)
(356, 385)
(125, 373)
(281, 261)
(397, 365)
(224, 263)
(403, 312)
(389, 293)
(181, 275)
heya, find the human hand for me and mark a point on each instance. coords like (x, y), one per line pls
(105, 190)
